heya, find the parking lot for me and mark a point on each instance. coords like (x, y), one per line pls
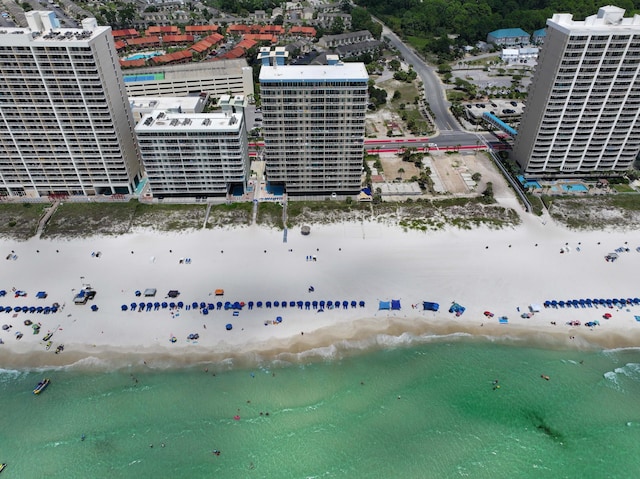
(502, 108)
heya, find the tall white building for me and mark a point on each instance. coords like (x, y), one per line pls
(194, 154)
(65, 122)
(313, 124)
(583, 112)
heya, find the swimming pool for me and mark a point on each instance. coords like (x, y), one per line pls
(144, 56)
(575, 188)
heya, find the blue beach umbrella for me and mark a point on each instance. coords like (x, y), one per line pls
(229, 327)
(124, 307)
(180, 304)
(276, 304)
(268, 304)
(292, 304)
(362, 304)
(284, 304)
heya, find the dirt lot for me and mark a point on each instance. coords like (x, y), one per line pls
(449, 168)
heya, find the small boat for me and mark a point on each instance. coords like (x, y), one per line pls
(42, 385)
(3, 466)
(47, 337)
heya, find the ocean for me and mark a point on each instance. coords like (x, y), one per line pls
(408, 408)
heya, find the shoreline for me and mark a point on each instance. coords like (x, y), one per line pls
(501, 271)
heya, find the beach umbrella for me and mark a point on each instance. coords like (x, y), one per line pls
(39, 309)
(259, 304)
(307, 304)
(236, 305)
(210, 306)
(314, 304)
(164, 304)
(362, 304)
(219, 305)
(279, 319)
(292, 304)
(276, 304)
(284, 304)
(250, 304)
(322, 303)
(345, 304)
(336, 304)
(194, 305)
(205, 311)
(124, 307)
(32, 309)
(3, 293)
(606, 315)
(353, 304)
(17, 309)
(47, 309)
(180, 304)
(229, 327)
(268, 304)
(636, 300)
(227, 305)
(329, 304)
(94, 307)
(149, 306)
(172, 305)
(138, 293)
(203, 305)
(8, 309)
(156, 305)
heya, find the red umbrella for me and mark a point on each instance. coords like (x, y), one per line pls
(606, 315)
(488, 314)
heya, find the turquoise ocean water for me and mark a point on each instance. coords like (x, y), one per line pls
(418, 410)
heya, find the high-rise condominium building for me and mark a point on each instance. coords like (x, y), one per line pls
(313, 125)
(65, 122)
(583, 112)
(194, 154)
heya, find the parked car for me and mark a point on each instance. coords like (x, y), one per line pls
(508, 111)
(514, 103)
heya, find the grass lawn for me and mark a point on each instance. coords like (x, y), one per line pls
(416, 42)
(622, 188)
(20, 220)
(270, 214)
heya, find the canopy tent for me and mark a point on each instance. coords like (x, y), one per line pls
(384, 305)
(41, 294)
(427, 306)
(174, 293)
(395, 304)
(150, 292)
(535, 308)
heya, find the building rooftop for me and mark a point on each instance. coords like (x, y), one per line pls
(509, 33)
(607, 18)
(194, 70)
(163, 122)
(43, 31)
(339, 71)
(187, 103)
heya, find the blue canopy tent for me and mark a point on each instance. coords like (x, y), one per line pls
(428, 306)
(395, 304)
(384, 305)
(41, 294)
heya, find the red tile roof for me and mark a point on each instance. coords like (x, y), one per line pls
(181, 56)
(177, 38)
(127, 33)
(132, 63)
(246, 43)
(152, 40)
(207, 43)
(308, 31)
(260, 37)
(201, 28)
(237, 52)
(238, 29)
(171, 29)
(274, 29)
(120, 44)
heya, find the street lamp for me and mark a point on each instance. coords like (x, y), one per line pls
(82, 280)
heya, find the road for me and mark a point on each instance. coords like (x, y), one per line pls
(434, 93)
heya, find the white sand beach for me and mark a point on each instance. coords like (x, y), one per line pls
(481, 269)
